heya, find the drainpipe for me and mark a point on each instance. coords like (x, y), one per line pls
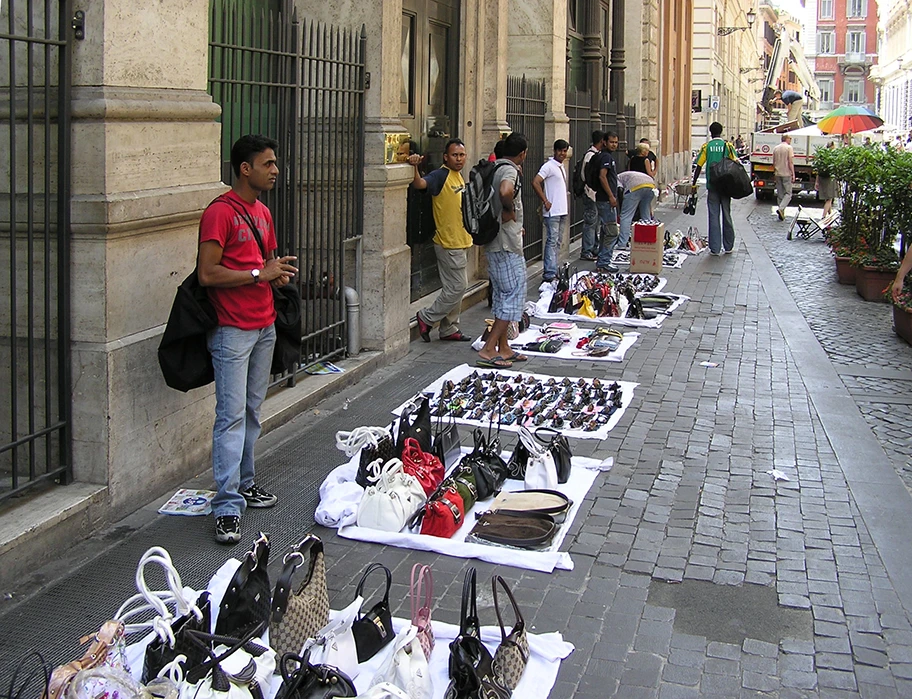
(353, 314)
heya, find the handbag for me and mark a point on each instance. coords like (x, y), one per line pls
(424, 466)
(373, 443)
(541, 472)
(471, 667)
(384, 690)
(407, 667)
(107, 649)
(549, 502)
(462, 478)
(447, 447)
(334, 644)
(415, 424)
(373, 630)
(299, 615)
(312, 681)
(246, 603)
(183, 354)
(560, 451)
(422, 579)
(519, 530)
(389, 503)
(489, 469)
(235, 668)
(512, 655)
(443, 514)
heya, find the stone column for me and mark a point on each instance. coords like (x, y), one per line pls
(617, 71)
(494, 75)
(145, 163)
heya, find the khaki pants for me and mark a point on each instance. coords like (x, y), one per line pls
(447, 307)
(794, 110)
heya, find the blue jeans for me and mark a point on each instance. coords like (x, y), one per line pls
(720, 207)
(637, 199)
(590, 226)
(242, 360)
(554, 226)
(609, 236)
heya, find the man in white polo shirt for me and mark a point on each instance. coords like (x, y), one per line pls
(550, 185)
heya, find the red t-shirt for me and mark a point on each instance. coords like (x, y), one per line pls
(248, 307)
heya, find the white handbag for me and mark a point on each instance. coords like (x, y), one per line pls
(407, 667)
(384, 690)
(334, 644)
(240, 675)
(394, 497)
(541, 471)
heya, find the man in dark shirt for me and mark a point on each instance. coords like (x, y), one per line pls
(606, 202)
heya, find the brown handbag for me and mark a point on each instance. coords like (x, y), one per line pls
(512, 655)
(299, 615)
(106, 649)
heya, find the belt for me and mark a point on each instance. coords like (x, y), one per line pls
(642, 186)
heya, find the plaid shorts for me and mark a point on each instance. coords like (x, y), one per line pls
(508, 281)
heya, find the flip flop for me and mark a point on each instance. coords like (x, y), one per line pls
(494, 363)
(516, 357)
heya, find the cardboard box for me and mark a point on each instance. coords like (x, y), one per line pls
(646, 248)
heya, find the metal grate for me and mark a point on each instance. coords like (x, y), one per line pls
(526, 115)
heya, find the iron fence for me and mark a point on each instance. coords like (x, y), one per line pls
(526, 115)
(35, 432)
(302, 83)
(578, 106)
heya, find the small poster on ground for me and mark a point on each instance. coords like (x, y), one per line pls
(190, 503)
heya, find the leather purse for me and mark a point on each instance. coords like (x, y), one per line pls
(471, 667)
(447, 446)
(521, 530)
(159, 653)
(541, 472)
(422, 580)
(302, 680)
(462, 478)
(300, 614)
(548, 502)
(235, 668)
(407, 667)
(443, 515)
(415, 423)
(247, 600)
(489, 469)
(512, 655)
(559, 447)
(516, 466)
(373, 630)
(389, 503)
(373, 443)
(424, 466)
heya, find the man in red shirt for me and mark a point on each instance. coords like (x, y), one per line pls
(237, 263)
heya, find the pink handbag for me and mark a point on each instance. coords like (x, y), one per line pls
(421, 615)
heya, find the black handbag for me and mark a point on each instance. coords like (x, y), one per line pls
(489, 469)
(559, 448)
(247, 601)
(471, 666)
(308, 681)
(372, 631)
(516, 466)
(183, 354)
(384, 450)
(216, 648)
(447, 447)
(158, 653)
(417, 425)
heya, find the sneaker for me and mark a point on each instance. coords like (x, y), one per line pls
(228, 529)
(257, 497)
(588, 257)
(715, 254)
(423, 328)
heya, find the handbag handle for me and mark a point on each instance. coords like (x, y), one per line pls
(550, 431)
(293, 560)
(468, 621)
(206, 642)
(533, 445)
(370, 569)
(520, 622)
(257, 556)
(422, 579)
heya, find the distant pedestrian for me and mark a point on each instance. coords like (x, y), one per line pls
(794, 101)
(721, 237)
(589, 247)
(607, 203)
(550, 185)
(506, 262)
(826, 187)
(784, 170)
(639, 192)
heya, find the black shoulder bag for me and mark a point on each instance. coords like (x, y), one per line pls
(417, 425)
(373, 630)
(247, 600)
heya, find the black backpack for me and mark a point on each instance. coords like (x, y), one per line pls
(593, 169)
(477, 211)
(578, 180)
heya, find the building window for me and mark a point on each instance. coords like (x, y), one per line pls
(826, 89)
(854, 92)
(856, 8)
(855, 42)
(825, 9)
(826, 42)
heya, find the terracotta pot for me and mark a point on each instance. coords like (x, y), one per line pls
(870, 283)
(902, 323)
(845, 272)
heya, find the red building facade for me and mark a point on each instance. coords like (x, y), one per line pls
(846, 51)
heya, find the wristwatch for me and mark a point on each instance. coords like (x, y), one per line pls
(255, 273)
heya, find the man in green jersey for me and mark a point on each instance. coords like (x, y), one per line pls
(721, 238)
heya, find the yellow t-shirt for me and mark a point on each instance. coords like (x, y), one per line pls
(447, 206)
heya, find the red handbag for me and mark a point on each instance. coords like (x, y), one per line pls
(422, 465)
(443, 515)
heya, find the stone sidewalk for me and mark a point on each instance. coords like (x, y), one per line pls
(696, 574)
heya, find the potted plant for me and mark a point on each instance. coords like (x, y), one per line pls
(874, 271)
(902, 314)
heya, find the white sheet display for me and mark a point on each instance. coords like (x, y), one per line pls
(569, 350)
(539, 309)
(622, 257)
(456, 375)
(582, 476)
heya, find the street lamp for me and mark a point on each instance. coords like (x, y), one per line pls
(725, 31)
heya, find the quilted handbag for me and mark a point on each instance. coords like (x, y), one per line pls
(541, 472)
(559, 447)
(389, 503)
(512, 654)
(303, 680)
(424, 466)
(373, 630)
(415, 423)
(246, 603)
(235, 668)
(407, 667)
(471, 667)
(489, 469)
(422, 580)
(373, 442)
(300, 614)
(447, 447)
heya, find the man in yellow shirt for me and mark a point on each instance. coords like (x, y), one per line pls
(451, 242)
